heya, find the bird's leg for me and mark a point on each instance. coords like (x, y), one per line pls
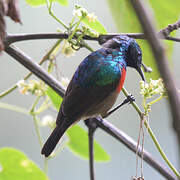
(129, 99)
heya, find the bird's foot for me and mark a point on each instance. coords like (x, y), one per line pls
(129, 99)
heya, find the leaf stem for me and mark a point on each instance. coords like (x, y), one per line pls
(36, 124)
(14, 108)
(34, 105)
(8, 91)
(152, 134)
(33, 113)
(84, 44)
(43, 106)
(160, 149)
(133, 103)
(75, 29)
(156, 100)
(46, 165)
(37, 130)
(49, 6)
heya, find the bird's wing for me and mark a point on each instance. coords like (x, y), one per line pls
(83, 91)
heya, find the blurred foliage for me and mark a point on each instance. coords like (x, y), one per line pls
(90, 19)
(42, 2)
(95, 25)
(15, 165)
(165, 12)
(54, 97)
(78, 143)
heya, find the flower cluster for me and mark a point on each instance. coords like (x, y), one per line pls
(89, 31)
(152, 88)
(67, 50)
(82, 12)
(34, 87)
(91, 17)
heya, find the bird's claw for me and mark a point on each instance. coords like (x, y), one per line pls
(130, 98)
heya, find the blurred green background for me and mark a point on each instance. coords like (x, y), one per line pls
(17, 130)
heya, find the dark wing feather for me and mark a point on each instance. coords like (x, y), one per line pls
(78, 98)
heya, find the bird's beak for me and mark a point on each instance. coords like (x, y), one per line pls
(141, 73)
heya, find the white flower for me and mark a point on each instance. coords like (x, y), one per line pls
(84, 12)
(91, 17)
(154, 82)
(23, 90)
(80, 11)
(47, 120)
(152, 88)
(67, 50)
(77, 12)
(20, 83)
(38, 92)
(32, 84)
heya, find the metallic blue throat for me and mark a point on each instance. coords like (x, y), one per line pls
(100, 68)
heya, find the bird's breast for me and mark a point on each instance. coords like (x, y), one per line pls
(103, 107)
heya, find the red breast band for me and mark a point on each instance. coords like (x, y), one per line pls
(121, 82)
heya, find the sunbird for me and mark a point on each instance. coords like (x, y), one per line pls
(95, 85)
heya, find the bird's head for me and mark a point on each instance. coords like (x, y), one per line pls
(132, 50)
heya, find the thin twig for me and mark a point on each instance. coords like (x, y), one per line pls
(14, 108)
(92, 126)
(32, 111)
(161, 60)
(29, 74)
(170, 28)
(173, 39)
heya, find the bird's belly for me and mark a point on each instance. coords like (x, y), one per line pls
(103, 107)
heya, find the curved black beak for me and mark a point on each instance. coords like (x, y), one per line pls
(141, 72)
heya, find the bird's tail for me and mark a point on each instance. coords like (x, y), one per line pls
(54, 138)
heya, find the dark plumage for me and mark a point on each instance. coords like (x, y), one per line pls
(95, 85)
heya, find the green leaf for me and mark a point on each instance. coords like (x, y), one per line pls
(78, 144)
(43, 2)
(127, 21)
(15, 165)
(54, 97)
(95, 25)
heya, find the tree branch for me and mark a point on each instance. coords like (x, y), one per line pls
(161, 59)
(35, 68)
(170, 28)
(101, 38)
(109, 128)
